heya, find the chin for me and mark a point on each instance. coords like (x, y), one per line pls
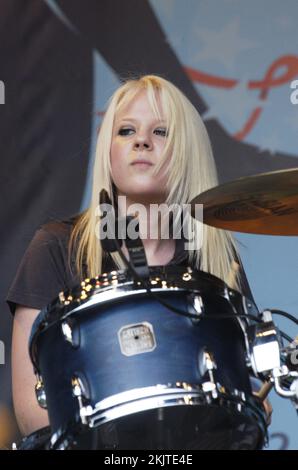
(147, 198)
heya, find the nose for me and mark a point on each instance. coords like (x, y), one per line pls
(142, 141)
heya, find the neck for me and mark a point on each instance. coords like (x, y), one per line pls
(158, 246)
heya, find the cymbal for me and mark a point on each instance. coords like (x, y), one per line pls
(266, 203)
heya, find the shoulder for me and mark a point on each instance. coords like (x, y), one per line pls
(56, 230)
(44, 269)
(51, 239)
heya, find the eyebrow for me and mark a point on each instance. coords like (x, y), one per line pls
(131, 119)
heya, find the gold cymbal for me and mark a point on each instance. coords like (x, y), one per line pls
(266, 203)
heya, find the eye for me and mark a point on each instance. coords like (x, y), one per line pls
(125, 131)
(162, 131)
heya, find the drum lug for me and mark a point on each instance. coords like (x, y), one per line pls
(239, 394)
(208, 364)
(70, 333)
(67, 331)
(196, 307)
(40, 393)
(198, 304)
(79, 391)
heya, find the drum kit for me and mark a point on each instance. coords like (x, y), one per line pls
(167, 362)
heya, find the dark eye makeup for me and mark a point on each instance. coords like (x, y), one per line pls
(160, 131)
(125, 131)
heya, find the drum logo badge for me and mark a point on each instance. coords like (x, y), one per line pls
(136, 339)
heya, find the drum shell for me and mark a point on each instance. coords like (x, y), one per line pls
(97, 358)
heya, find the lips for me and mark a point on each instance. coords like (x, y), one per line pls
(141, 161)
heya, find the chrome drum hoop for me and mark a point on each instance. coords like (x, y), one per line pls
(160, 396)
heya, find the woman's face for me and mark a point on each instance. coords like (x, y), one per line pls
(138, 141)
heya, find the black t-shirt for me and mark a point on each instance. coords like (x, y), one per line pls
(46, 269)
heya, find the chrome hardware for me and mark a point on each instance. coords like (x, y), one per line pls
(209, 386)
(198, 304)
(71, 332)
(67, 332)
(265, 354)
(266, 316)
(195, 307)
(79, 391)
(40, 393)
(156, 397)
(241, 395)
(208, 364)
(264, 346)
(294, 389)
(186, 276)
(291, 355)
(280, 372)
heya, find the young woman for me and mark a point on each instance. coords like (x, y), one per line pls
(152, 148)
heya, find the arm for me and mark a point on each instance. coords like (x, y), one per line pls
(30, 416)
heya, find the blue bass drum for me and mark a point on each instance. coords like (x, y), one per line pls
(120, 370)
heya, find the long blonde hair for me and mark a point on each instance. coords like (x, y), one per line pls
(191, 171)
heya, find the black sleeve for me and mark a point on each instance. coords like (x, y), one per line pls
(41, 274)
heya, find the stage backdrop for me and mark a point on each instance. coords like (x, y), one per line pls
(61, 60)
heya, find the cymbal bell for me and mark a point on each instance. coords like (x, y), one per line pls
(266, 203)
